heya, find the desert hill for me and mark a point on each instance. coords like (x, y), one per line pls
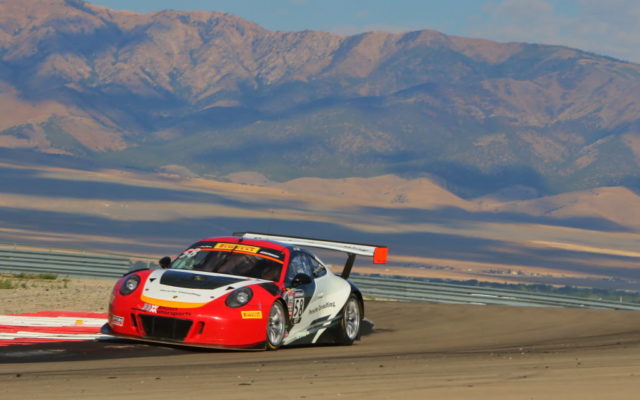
(218, 94)
(387, 190)
(615, 204)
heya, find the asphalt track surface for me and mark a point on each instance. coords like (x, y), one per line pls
(416, 350)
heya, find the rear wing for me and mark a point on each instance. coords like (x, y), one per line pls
(379, 253)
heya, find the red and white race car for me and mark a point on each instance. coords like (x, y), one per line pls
(247, 291)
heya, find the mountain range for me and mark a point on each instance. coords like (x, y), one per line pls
(217, 94)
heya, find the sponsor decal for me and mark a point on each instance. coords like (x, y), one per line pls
(172, 311)
(175, 314)
(247, 249)
(266, 253)
(322, 307)
(179, 292)
(152, 308)
(117, 320)
(225, 246)
(257, 314)
(237, 247)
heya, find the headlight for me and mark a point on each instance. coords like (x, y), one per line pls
(129, 285)
(239, 297)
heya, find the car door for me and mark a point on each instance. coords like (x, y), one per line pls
(330, 296)
(298, 295)
(311, 305)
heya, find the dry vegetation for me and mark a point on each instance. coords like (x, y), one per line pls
(23, 293)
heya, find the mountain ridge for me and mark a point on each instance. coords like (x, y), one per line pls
(205, 89)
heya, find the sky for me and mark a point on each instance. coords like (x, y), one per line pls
(607, 27)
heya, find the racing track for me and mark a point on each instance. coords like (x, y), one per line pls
(416, 350)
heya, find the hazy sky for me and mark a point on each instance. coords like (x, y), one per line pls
(609, 27)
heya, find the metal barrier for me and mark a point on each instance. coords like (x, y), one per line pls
(413, 290)
(106, 266)
(63, 263)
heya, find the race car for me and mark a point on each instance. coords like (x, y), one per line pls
(246, 291)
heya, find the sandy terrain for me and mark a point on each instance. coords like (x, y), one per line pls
(417, 350)
(59, 295)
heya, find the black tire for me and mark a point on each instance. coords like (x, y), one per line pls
(350, 321)
(276, 326)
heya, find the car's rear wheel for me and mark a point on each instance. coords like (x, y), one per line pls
(350, 321)
(276, 326)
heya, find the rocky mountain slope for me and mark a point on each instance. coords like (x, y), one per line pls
(218, 94)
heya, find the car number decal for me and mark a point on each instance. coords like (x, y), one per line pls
(298, 308)
(189, 253)
(295, 304)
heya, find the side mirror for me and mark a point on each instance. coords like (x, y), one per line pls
(301, 279)
(165, 262)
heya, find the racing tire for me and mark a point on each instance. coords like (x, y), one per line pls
(350, 321)
(276, 326)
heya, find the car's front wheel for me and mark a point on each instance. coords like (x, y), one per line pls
(276, 326)
(350, 321)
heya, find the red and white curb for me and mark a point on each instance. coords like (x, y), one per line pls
(50, 326)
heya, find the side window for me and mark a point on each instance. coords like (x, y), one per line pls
(299, 264)
(317, 268)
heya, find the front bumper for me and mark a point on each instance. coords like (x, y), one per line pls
(228, 329)
(106, 330)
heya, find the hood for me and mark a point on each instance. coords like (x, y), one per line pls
(195, 280)
(189, 289)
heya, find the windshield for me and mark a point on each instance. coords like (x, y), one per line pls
(232, 259)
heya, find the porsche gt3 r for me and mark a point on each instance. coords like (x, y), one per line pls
(247, 291)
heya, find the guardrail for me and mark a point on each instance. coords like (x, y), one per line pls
(413, 290)
(63, 263)
(113, 266)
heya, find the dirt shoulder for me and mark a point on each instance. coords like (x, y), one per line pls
(23, 294)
